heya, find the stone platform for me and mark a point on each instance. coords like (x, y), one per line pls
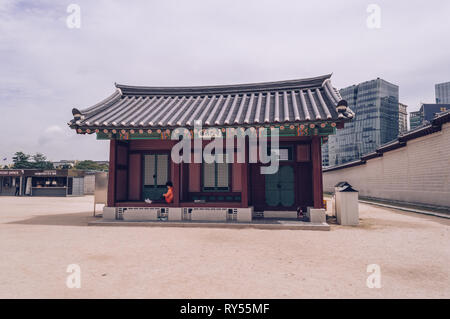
(267, 223)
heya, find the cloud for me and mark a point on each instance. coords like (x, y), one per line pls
(54, 129)
(47, 68)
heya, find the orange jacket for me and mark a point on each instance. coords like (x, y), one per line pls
(169, 195)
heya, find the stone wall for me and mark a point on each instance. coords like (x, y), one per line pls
(417, 173)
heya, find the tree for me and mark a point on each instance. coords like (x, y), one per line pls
(21, 160)
(90, 166)
(40, 162)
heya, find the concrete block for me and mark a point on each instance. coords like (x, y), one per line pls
(280, 214)
(209, 214)
(316, 215)
(330, 207)
(109, 213)
(244, 214)
(348, 213)
(140, 214)
(175, 213)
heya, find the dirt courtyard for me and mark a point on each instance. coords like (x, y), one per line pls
(40, 237)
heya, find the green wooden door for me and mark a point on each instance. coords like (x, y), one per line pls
(156, 171)
(280, 187)
(272, 190)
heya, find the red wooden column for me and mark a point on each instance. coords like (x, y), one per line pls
(244, 178)
(112, 173)
(175, 173)
(134, 176)
(316, 158)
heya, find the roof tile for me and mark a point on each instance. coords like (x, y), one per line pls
(303, 100)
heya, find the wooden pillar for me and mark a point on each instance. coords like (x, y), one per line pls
(112, 173)
(244, 179)
(134, 176)
(21, 186)
(175, 173)
(316, 157)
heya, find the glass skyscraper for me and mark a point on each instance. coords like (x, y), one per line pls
(376, 121)
(442, 92)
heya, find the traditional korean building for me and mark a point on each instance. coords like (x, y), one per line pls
(139, 122)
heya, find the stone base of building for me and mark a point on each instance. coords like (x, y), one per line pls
(203, 214)
(280, 214)
(211, 214)
(316, 215)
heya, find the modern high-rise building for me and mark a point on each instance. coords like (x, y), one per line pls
(402, 118)
(442, 92)
(415, 119)
(426, 113)
(376, 121)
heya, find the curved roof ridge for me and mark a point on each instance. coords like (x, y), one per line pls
(100, 105)
(311, 99)
(224, 89)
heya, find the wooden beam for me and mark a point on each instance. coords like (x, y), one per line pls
(175, 173)
(244, 179)
(112, 173)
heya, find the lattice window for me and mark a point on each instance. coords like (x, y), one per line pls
(149, 169)
(162, 162)
(216, 176)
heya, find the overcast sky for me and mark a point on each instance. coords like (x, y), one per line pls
(46, 68)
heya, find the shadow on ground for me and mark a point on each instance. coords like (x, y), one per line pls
(74, 219)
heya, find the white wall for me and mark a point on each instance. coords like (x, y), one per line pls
(89, 184)
(416, 173)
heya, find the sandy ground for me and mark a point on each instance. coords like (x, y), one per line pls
(40, 237)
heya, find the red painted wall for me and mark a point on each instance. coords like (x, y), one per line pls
(121, 171)
(134, 177)
(303, 153)
(236, 182)
(194, 177)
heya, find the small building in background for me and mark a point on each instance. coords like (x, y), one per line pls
(427, 112)
(415, 119)
(64, 164)
(10, 179)
(36, 182)
(402, 118)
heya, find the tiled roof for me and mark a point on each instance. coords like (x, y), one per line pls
(305, 100)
